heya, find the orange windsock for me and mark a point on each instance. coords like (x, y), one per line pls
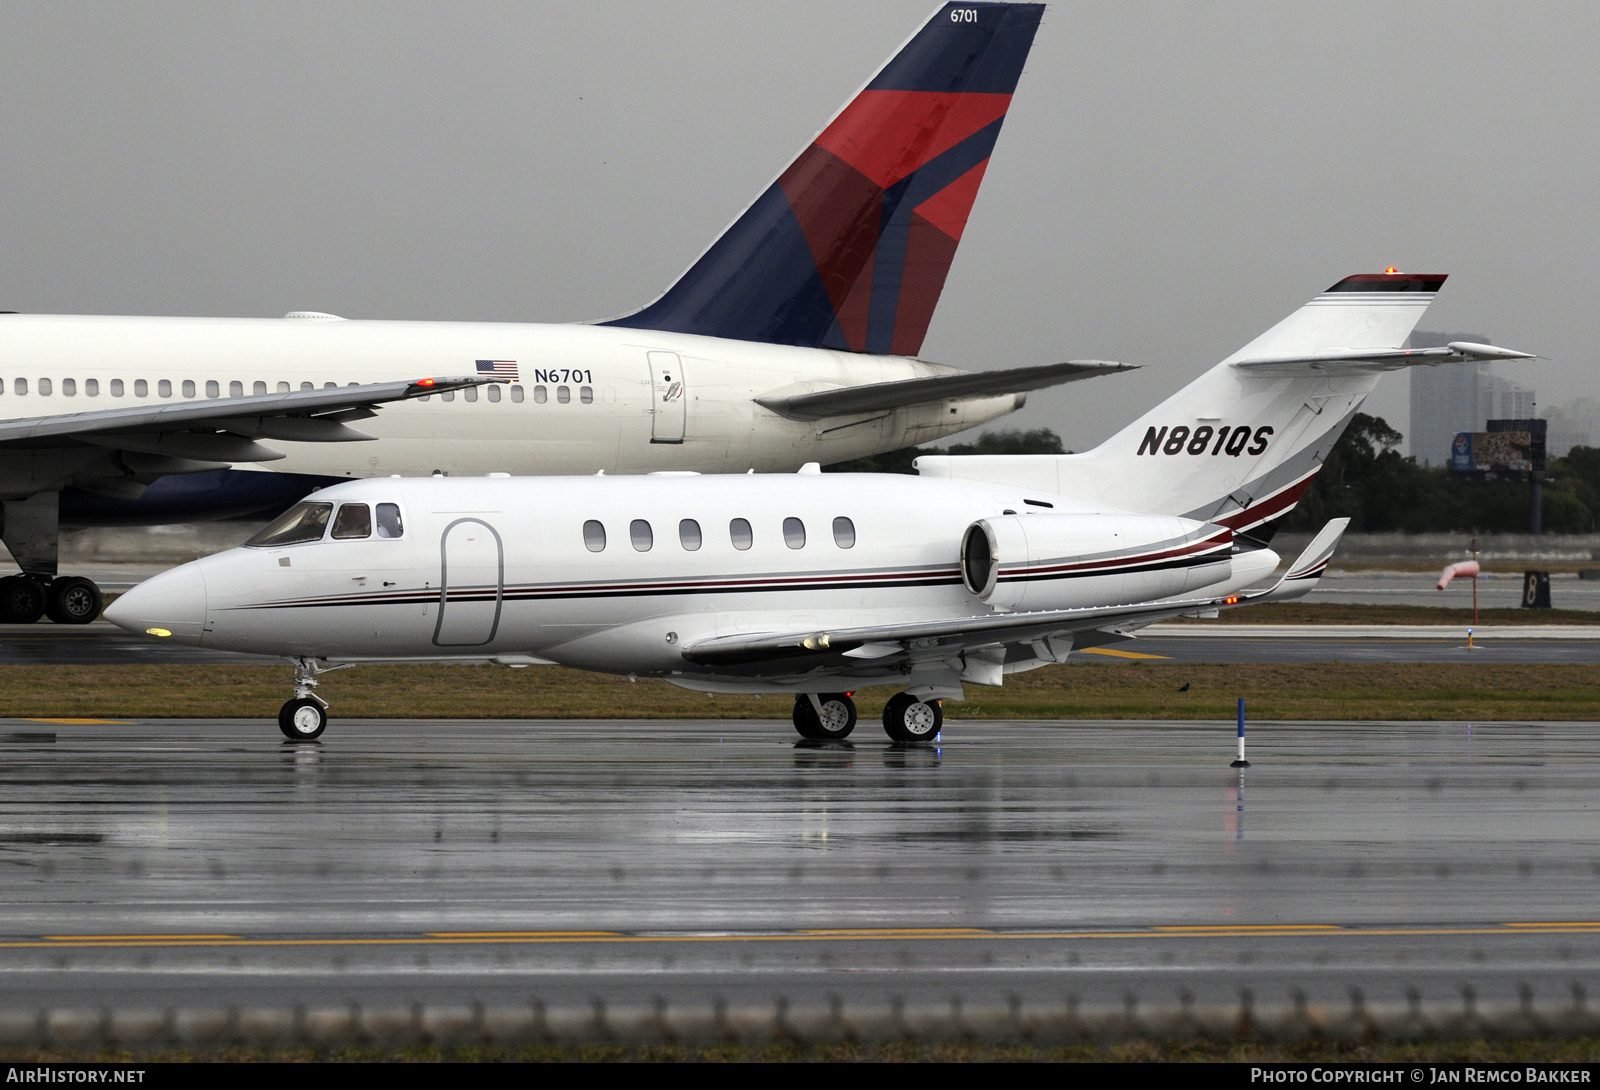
(1464, 568)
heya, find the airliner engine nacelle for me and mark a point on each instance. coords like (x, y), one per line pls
(1032, 562)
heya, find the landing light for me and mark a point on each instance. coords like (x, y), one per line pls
(156, 632)
(1231, 600)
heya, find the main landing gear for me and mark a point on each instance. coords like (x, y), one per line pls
(305, 717)
(70, 599)
(832, 716)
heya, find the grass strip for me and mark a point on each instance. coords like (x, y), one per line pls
(1138, 690)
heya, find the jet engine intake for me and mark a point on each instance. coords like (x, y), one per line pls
(1033, 562)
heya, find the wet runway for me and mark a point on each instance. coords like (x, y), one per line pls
(206, 864)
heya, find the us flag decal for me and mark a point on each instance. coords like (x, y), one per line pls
(498, 369)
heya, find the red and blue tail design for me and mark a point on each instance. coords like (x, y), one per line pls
(849, 248)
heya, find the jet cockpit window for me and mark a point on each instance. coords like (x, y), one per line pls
(303, 522)
(594, 536)
(354, 521)
(389, 524)
(739, 533)
(844, 533)
(794, 533)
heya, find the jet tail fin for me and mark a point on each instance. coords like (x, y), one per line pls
(850, 246)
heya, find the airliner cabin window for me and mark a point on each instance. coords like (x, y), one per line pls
(69, 387)
(639, 533)
(470, 393)
(141, 388)
(448, 395)
(844, 533)
(308, 386)
(586, 394)
(164, 387)
(739, 532)
(20, 385)
(44, 387)
(188, 387)
(540, 395)
(116, 387)
(235, 388)
(303, 522)
(213, 389)
(563, 394)
(389, 524)
(354, 521)
(516, 394)
(332, 385)
(794, 533)
(594, 536)
(283, 387)
(689, 535)
(258, 388)
(492, 393)
(91, 387)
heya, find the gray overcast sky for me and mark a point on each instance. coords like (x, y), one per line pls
(1172, 179)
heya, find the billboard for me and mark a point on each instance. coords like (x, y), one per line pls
(1509, 450)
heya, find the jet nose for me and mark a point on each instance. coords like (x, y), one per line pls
(171, 605)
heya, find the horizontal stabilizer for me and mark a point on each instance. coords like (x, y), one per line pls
(1384, 360)
(880, 396)
(1303, 575)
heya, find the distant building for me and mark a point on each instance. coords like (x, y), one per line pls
(1575, 424)
(1457, 397)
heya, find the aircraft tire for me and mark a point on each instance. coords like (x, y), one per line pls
(22, 600)
(73, 599)
(907, 719)
(838, 717)
(302, 720)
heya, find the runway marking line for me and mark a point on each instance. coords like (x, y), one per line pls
(1121, 654)
(468, 938)
(81, 722)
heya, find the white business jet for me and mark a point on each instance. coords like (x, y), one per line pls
(812, 584)
(791, 339)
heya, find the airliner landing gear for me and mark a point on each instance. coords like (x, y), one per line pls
(830, 716)
(72, 599)
(22, 599)
(907, 719)
(304, 718)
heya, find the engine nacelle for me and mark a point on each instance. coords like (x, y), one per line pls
(1033, 562)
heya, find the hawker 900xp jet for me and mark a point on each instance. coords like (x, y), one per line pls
(819, 584)
(791, 339)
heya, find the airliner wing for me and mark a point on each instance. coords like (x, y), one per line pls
(223, 429)
(804, 651)
(879, 396)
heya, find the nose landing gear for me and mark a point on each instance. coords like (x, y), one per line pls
(304, 718)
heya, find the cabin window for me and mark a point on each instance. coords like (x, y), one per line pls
(141, 388)
(258, 388)
(586, 394)
(689, 535)
(91, 387)
(844, 533)
(639, 533)
(540, 395)
(794, 533)
(303, 522)
(164, 387)
(69, 387)
(492, 393)
(354, 521)
(212, 388)
(116, 387)
(44, 387)
(448, 395)
(20, 385)
(308, 386)
(389, 524)
(594, 536)
(470, 393)
(739, 533)
(235, 388)
(283, 387)
(563, 394)
(330, 385)
(188, 387)
(516, 394)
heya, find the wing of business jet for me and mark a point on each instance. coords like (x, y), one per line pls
(1023, 639)
(882, 396)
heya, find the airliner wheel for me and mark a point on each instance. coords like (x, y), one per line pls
(73, 599)
(22, 600)
(907, 719)
(302, 720)
(837, 720)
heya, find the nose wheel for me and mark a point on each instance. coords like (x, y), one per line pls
(303, 720)
(825, 717)
(907, 719)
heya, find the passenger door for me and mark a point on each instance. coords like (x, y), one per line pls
(471, 584)
(669, 398)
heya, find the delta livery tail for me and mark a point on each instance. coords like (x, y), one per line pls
(1240, 445)
(850, 246)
